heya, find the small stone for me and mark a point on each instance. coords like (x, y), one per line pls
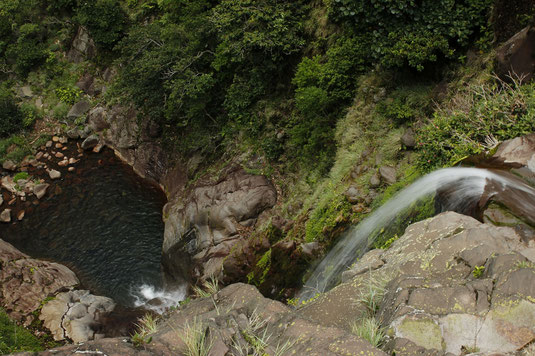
(375, 180)
(54, 174)
(63, 163)
(90, 142)
(98, 148)
(49, 144)
(34, 162)
(46, 155)
(73, 160)
(55, 139)
(63, 140)
(388, 174)
(71, 169)
(26, 92)
(64, 148)
(408, 139)
(5, 216)
(353, 195)
(73, 134)
(40, 190)
(59, 155)
(59, 145)
(9, 165)
(1, 199)
(20, 215)
(39, 155)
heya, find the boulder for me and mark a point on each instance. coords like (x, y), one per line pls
(40, 190)
(85, 83)
(75, 315)
(516, 57)
(90, 142)
(388, 174)
(26, 92)
(78, 109)
(353, 195)
(408, 139)
(5, 216)
(82, 46)
(215, 213)
(375, 180)
(9, 165)
(98, 119)
(26, 282)
(54, 174)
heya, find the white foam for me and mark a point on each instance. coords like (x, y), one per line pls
(158, 300)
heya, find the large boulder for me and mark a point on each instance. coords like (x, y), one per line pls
(74, 315)
(26, 282)
(78, 109)
(516, 57)
(451, 284)
(211, 219)
(82, 46)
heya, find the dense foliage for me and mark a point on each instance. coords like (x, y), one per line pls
(10, 114)
(14, 338)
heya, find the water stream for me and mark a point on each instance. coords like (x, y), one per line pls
(103, 222)
(465, 186)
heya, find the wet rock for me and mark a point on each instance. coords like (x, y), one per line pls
(74, 315)
(90, 142)
(59, 155)
(73, 160)
(98, 148)
(311, 249)
(408, 139)
(369, 262)
(26, 282)
(78, 109)
(63, 163)
(54, 174)
(40, 190)
(98, 119)
(388, 174)
(20, 215)
(5, 216)
(9, 165)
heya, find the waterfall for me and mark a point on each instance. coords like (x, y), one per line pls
(465, 185)
(158, 300)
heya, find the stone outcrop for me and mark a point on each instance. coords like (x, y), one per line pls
(455, 284)
(82, 46)
(212, 219)
(26, 282)
(74, 315)
(516, 57)
(231, 320)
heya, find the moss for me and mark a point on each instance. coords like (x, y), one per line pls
(258, 275)
(423, 332)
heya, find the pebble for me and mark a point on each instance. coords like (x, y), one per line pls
(73, 160)
(63, 163)
(71, 169)
(39, 155)
(59, 155)
(58, 145)
(55, 139)
(48, 144)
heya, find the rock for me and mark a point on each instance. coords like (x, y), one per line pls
(388, 174)
(5, 216)
(54, 174)
(98, 119)
(517, 56)
(26, 92)
(353, 195)
(408, 139)
(78, 109)
(73, 133)
(55, 139)
(59, 145)
(39, 155)
(39, 103)
(74, 315)
(212, 212)
(311, 249)
(98, 148)
(49, 144)
(63, 163)
(369, 262)
(71, 169)
(9, 165)
(82, 46)
(26, 282)
(20, 215)
(85, 83)
(1, 199)
(375, 180)
(73, 160)
(40, 190)
(90, 142)
(59, 155)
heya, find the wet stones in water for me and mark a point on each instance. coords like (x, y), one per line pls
(54, 174)
(5, 216)
(40, 190)
(90, 142)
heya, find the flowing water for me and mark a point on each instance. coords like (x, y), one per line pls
(465, 186)
(103, 222)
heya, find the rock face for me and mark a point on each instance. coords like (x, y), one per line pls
(232, 319)
(454, 284)
(26, 282)
(209, 223)
(78, 110)
(75, 314)
(517, 56)
(82, 46)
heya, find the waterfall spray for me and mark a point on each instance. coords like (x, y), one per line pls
(469, 185)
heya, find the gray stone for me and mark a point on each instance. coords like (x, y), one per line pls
(388, 174)
(54, 174)
(1, 199)
(375, 180)
(5, 216)
(40, 190)
(73, 133)
(82, 46)
(90, 142)
(408, 139)
(78, 109)
(369, 262)
(9, 165)
(353, 195)
(26, 92)
(311, 249)
(97, 119)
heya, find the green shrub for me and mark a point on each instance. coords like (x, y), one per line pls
(29, 114)
(29, 50)
(20, 175)
(11, 118)
(413, 33)
(68, 95)
(474, 121)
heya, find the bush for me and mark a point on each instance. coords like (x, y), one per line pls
(68, 95)
(28, 51)
(475, 121)
(11, 118)
(413, 33)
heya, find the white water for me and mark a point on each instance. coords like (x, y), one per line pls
(158, 300)
(470, 185)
